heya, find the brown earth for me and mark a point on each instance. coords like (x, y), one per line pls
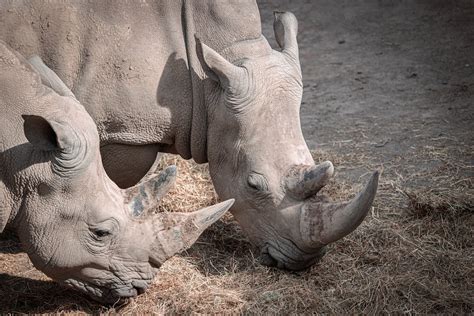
(388, 84)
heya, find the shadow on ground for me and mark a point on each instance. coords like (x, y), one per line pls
(9, 243)
(24, 295)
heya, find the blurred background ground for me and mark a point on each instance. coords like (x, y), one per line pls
(387, 84)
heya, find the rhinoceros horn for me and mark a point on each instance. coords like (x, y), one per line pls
(304, 181)
(147, 195)
(175, 232)
(322, 223)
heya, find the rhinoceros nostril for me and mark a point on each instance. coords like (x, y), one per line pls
(140, 286)
(291, 259)
(124, 292)
(265, 258)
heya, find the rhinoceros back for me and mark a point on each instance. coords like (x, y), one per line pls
(18, 84)
(127, 61)
(111, 54)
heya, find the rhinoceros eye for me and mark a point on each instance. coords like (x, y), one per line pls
(257, 181)
(101, 232)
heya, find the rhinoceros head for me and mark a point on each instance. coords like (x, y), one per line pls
(77, 226)
(83, 231)
(257, 155)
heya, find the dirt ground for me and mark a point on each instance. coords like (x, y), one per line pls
(387, 84)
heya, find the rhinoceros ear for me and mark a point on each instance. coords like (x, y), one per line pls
(50, 78)
(48, 134)
(229, 75)
(285, 26)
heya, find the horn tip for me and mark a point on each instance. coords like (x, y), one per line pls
(227, 204)
(211, 214)
(372, 185)
(375, 176)
(223, 207)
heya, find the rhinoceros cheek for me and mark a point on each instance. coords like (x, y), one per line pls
(109, 287)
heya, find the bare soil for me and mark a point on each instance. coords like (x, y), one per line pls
(387, 84)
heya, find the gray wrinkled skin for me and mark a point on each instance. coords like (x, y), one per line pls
(75, 223)
(197, 78)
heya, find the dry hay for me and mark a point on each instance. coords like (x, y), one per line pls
(413, 254)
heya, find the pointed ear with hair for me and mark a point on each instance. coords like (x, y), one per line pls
(285, 26)
(48, 135)
(229, 75)
(49, 77)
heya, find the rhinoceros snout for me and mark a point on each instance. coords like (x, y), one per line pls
(289, 257)
(137, 287)
(140, 286)
(320, 222)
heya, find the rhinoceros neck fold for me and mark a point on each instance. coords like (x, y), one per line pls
(233, 30)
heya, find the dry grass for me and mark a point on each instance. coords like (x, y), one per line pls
(413, 254)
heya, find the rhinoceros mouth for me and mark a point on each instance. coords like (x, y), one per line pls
(108, 295)
(285, 254)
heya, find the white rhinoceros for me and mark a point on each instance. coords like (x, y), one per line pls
(74, 222)
(197, 78)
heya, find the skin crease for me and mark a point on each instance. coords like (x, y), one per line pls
(74, 222)
(144, 74)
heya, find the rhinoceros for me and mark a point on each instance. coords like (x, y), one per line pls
(76, 224)
(198, 79)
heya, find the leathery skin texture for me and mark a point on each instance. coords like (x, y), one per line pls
(75, 223)
(197, 78)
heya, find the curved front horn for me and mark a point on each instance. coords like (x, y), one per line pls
(304, 181)
(322, 223)
(175, 232)
(147, 195)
